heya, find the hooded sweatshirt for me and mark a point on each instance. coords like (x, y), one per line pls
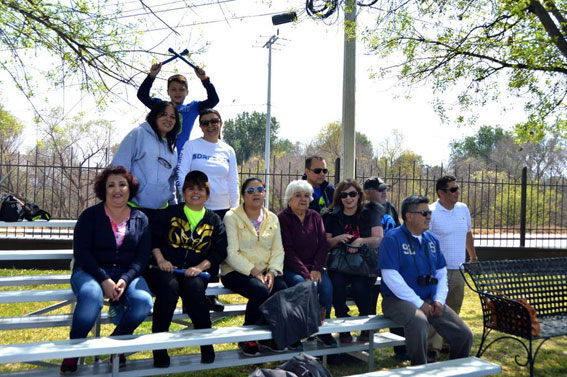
(149, 160)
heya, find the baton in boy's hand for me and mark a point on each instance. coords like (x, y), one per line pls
(175, 55)
(204, 275)
(182, 58)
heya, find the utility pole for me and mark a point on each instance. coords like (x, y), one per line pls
(349, 102)
(267, 152)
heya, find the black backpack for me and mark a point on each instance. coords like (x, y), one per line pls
(33, 212)
(11, 209)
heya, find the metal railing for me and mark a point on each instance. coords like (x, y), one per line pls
(506, 211)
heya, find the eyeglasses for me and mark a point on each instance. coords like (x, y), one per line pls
(319, 170)
(250, 190)
(382, 189)
(423, 213)
(164, 162)
(452, 190)
(352, 194)
(213, 121)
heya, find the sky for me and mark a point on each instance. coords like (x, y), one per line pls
(307, 63)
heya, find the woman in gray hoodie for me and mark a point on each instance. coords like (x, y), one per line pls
(148, 152)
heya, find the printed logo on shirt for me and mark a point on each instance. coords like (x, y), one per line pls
(200, 156)
(180, 235)
(407, 249)
(432, 247)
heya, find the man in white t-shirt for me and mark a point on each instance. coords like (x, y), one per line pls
(451, 223)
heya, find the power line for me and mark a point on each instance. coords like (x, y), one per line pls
(172, 9)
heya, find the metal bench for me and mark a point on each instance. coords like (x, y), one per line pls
(467, 367)
(499, 284)
(33, 352)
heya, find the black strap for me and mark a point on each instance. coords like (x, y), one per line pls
(413, 254)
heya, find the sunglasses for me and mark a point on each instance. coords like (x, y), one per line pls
(319, 170)
(164, 162)
(452, 190)
(250, 190)
(352, 194)
(423, 213)
(213, 121)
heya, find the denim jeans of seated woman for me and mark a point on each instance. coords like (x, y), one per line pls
(136, 299)
(324, 289)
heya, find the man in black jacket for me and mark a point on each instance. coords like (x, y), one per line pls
(315, 173)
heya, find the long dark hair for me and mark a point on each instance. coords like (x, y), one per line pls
(343, 185)
(157, 109)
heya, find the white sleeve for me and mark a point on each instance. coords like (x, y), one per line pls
(400, 288)
(442, 286)
(233, 194)
(184, 165)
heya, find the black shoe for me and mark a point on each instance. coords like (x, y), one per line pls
(297, 346)
(445, 349)
(364, 337)
(207, 354)
(432, 356)
(69, 366)
(215, 304)
(249, 348)
(161, 359)
(270, 345)
(345, 337)
(327, 340)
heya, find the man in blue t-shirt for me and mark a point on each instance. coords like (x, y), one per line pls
(414, 284)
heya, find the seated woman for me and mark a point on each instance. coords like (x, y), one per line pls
(350, 222)
(255, 255)
(305, 245)
(191, 237)
(111, 247)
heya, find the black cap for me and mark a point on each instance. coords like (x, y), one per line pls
(375, 183)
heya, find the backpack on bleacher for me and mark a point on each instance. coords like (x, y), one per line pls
(33, 212)
(11, 209)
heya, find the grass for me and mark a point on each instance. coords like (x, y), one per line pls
(551, 360)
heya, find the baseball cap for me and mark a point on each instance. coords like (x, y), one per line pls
(375, 183)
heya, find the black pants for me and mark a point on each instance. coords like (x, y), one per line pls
(167, 288)
(254, 290)
(361, 289)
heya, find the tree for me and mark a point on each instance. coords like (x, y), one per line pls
(83, 36)
(479, 146)
(474, 46)
(328, 143)
(247, 134)
(10, 133)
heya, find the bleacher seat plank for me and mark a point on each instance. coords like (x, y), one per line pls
(466, 367)
(19, 255)
(39, 224)
(14, 281)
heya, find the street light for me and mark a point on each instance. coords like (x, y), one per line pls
(278, 19)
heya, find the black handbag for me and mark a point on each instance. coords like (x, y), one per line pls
(11, 209)
(361, 263)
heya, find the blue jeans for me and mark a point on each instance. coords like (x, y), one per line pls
(325, 288)
(137, 301)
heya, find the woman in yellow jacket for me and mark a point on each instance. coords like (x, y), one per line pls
(255, 255)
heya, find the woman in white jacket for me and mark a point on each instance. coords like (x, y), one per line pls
(216, 159)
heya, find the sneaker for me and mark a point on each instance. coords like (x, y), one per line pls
(207, 354)
(363, 337)
(270, 345)
(297, 346)
(345, 337)
(432, 356)
(327, 340)
(215, 304)
(69, 366)
(249, 348)
(121, 360)
(161, 359)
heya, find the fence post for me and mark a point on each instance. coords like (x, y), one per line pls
(523, 201)
(337, 170)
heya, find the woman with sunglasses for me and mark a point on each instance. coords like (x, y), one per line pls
(148, 151)
(350, 221)
(255, 256)
(216, 159)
